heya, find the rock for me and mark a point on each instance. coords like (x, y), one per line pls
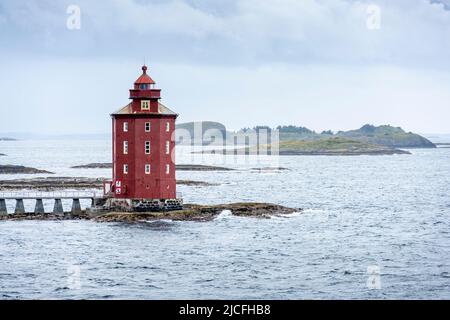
(194, 212)
(10, 169)
(195, 183)
(179, 167)
(94, 166)
(191, 212)
(58, 183)
(199, 167)
(51, 183)
(45, 216)
(269, 169)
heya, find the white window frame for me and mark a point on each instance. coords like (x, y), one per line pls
(148, 127)
(125, 147)
(167, 126)
(147, 147)
(148, 168)
(125, 127)
(125, 169)
(167, 168)
(167, 147)
(145, 104)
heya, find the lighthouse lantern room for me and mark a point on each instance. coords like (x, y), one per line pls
(144, 151)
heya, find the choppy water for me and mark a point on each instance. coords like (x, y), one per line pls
(386, 212)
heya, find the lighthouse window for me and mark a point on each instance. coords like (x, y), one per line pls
(167, 168)
(125, 169)
(167, 126)
(147, 147)
(147, 169)
(147, 127)
(125, 147)
(143, 87)
(145, 105)
(125, 127)
(167, 147)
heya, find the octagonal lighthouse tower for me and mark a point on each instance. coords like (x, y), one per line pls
(143, 151)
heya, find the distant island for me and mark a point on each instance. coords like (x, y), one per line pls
(389, 136)
(385, 135)
(7, 139)
(297, 140)
(333, 146)
(12, 169)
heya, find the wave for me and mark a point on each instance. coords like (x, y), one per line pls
(225, 214)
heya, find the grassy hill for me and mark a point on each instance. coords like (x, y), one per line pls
(387, 135)
(332, 146)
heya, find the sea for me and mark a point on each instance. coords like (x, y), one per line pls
(370, 227)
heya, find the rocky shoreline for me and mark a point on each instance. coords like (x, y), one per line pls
(178, 167)
(190, 212)
(17, 169)
(12, 169)
(59, 183)
(381, 151)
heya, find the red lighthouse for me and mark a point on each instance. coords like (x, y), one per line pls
(143, 150)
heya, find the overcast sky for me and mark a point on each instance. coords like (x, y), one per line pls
(324, 64)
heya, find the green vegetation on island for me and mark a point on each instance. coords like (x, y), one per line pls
(332, 146)
(335, 146)
(385, 135)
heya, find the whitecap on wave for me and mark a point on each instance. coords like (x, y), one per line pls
(159, 221)
(285, 216)
(225, 214)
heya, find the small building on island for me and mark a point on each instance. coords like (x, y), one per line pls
(144, 151)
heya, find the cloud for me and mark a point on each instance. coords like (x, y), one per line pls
(235, 32)
(246, 62)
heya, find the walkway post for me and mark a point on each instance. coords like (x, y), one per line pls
(58, 208)
(20, 208)
(39, 208)
(76, 207)
(3, 209)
